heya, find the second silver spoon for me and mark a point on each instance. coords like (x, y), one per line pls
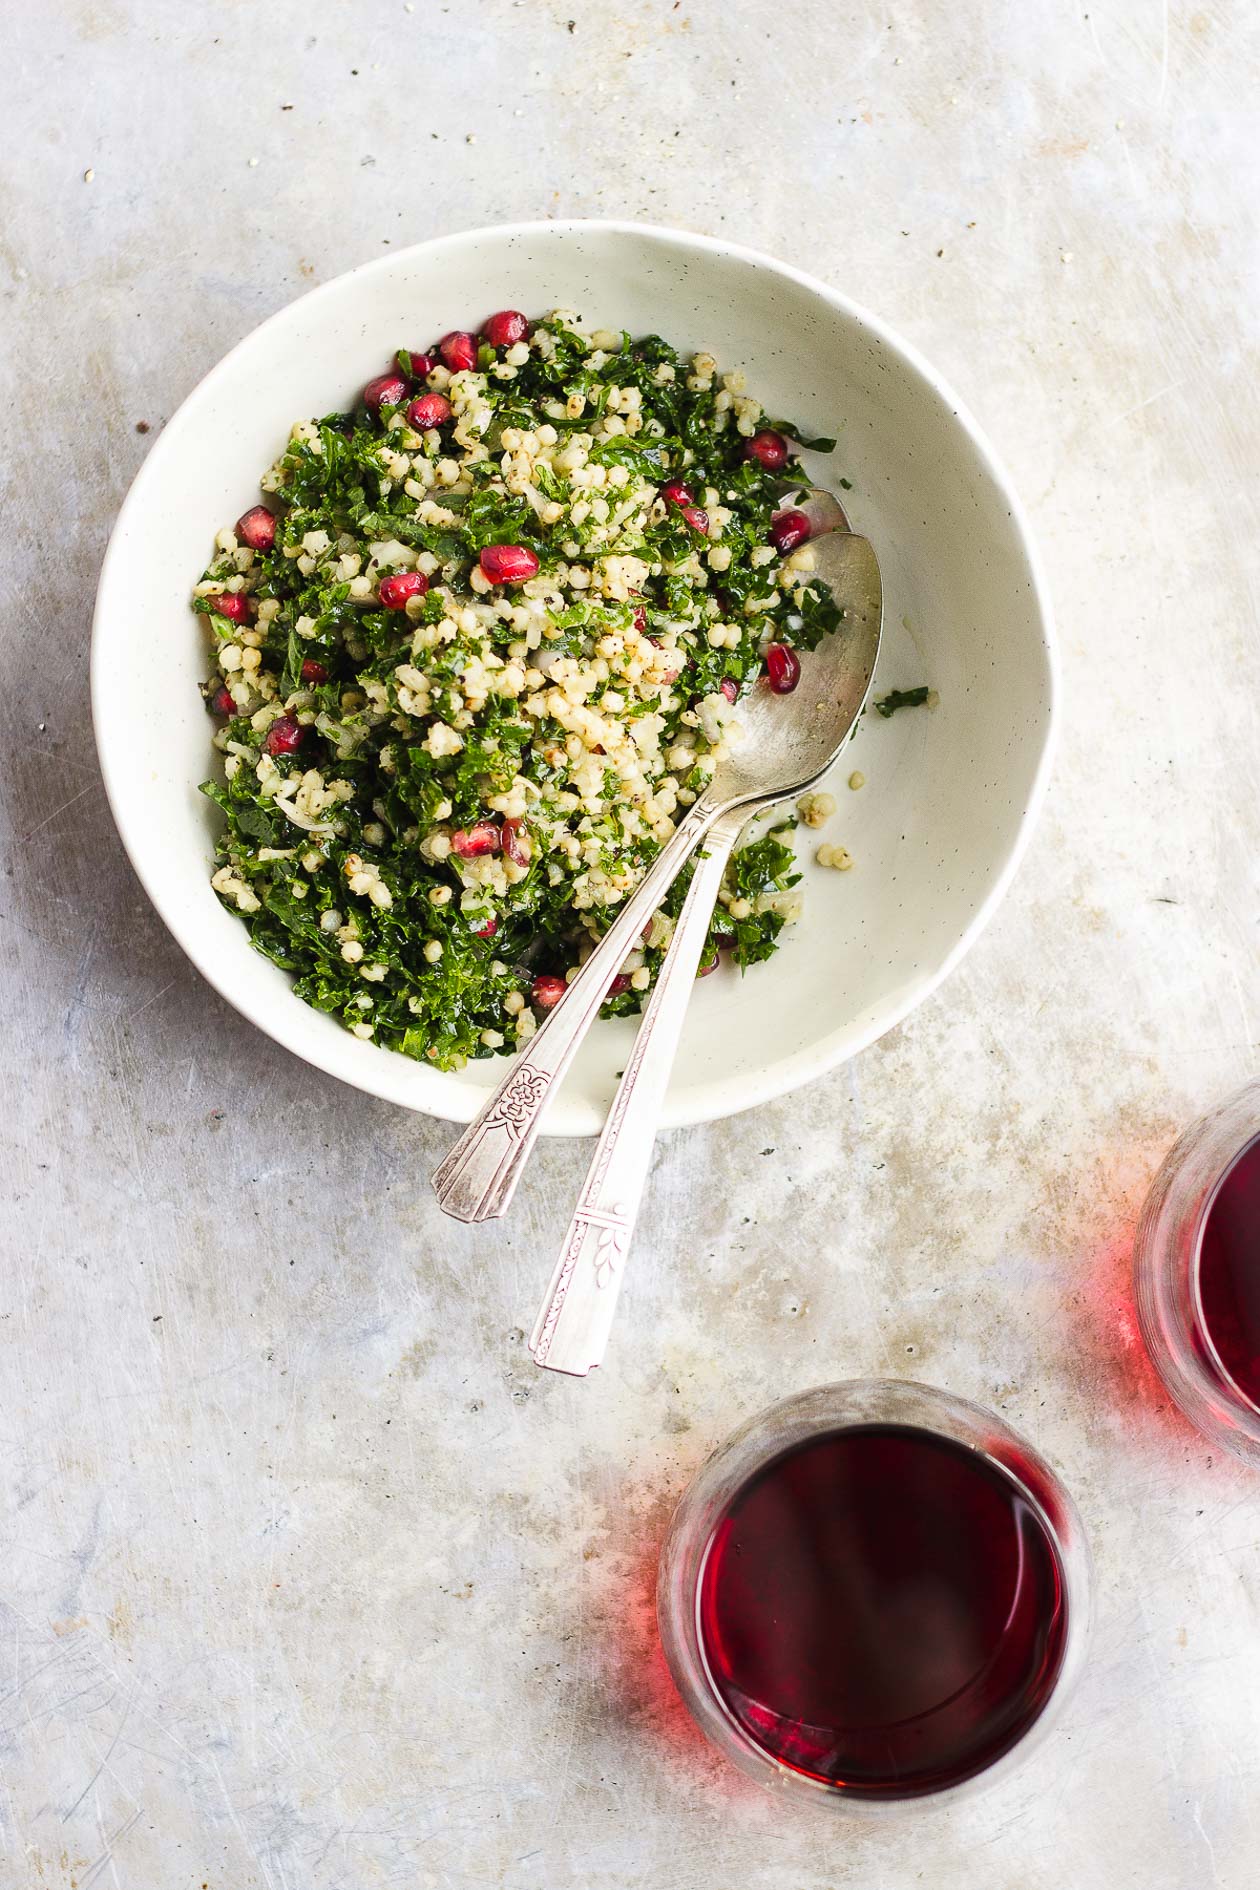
(571, 1333)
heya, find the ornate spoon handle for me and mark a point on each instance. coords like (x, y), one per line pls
(572, 1330)
(477, 1179)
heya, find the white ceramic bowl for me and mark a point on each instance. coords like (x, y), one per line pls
(951, 793)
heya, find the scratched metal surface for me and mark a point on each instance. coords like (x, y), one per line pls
(308, 1580)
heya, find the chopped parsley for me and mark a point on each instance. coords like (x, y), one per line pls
(902, 699)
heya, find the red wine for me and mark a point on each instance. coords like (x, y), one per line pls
(882, 1609)
(1229, 1273)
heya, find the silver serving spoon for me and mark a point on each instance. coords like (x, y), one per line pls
(789, 743)
(571, 1333)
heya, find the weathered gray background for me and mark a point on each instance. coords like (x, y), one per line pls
(308, 1579)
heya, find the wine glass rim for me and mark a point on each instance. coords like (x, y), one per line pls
(790, 1423)
(987, 1462)
(1196, 1275)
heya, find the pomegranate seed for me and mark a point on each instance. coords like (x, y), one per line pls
(396, 590)
(257, 528)
(387, 390)
(430, 410)
(313, 672)
(696, 517)
(640, 620)
(506, 328)
(511, 845)
(234, 605)
(783, 666)
(789, 530)
(221, 701)
(730, 688)
(458, 350)
(508, 564)
(676, 492)
(487, 930)
(421, 364)
(768, 448)
(619, 984)
(482, 837)
(284, 737)
(547, 991)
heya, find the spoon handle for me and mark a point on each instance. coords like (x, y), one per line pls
(572, 1330)
(478, 1178)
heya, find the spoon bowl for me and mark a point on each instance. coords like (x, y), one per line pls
(785, 742)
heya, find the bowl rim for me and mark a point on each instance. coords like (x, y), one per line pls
(717, 1096)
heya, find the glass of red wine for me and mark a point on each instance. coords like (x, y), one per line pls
(875, 1592)
(1197, 1273)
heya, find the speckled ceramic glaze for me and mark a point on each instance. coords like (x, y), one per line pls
(950, 793)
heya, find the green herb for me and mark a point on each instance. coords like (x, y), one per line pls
(902, 699)
(820, 445)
